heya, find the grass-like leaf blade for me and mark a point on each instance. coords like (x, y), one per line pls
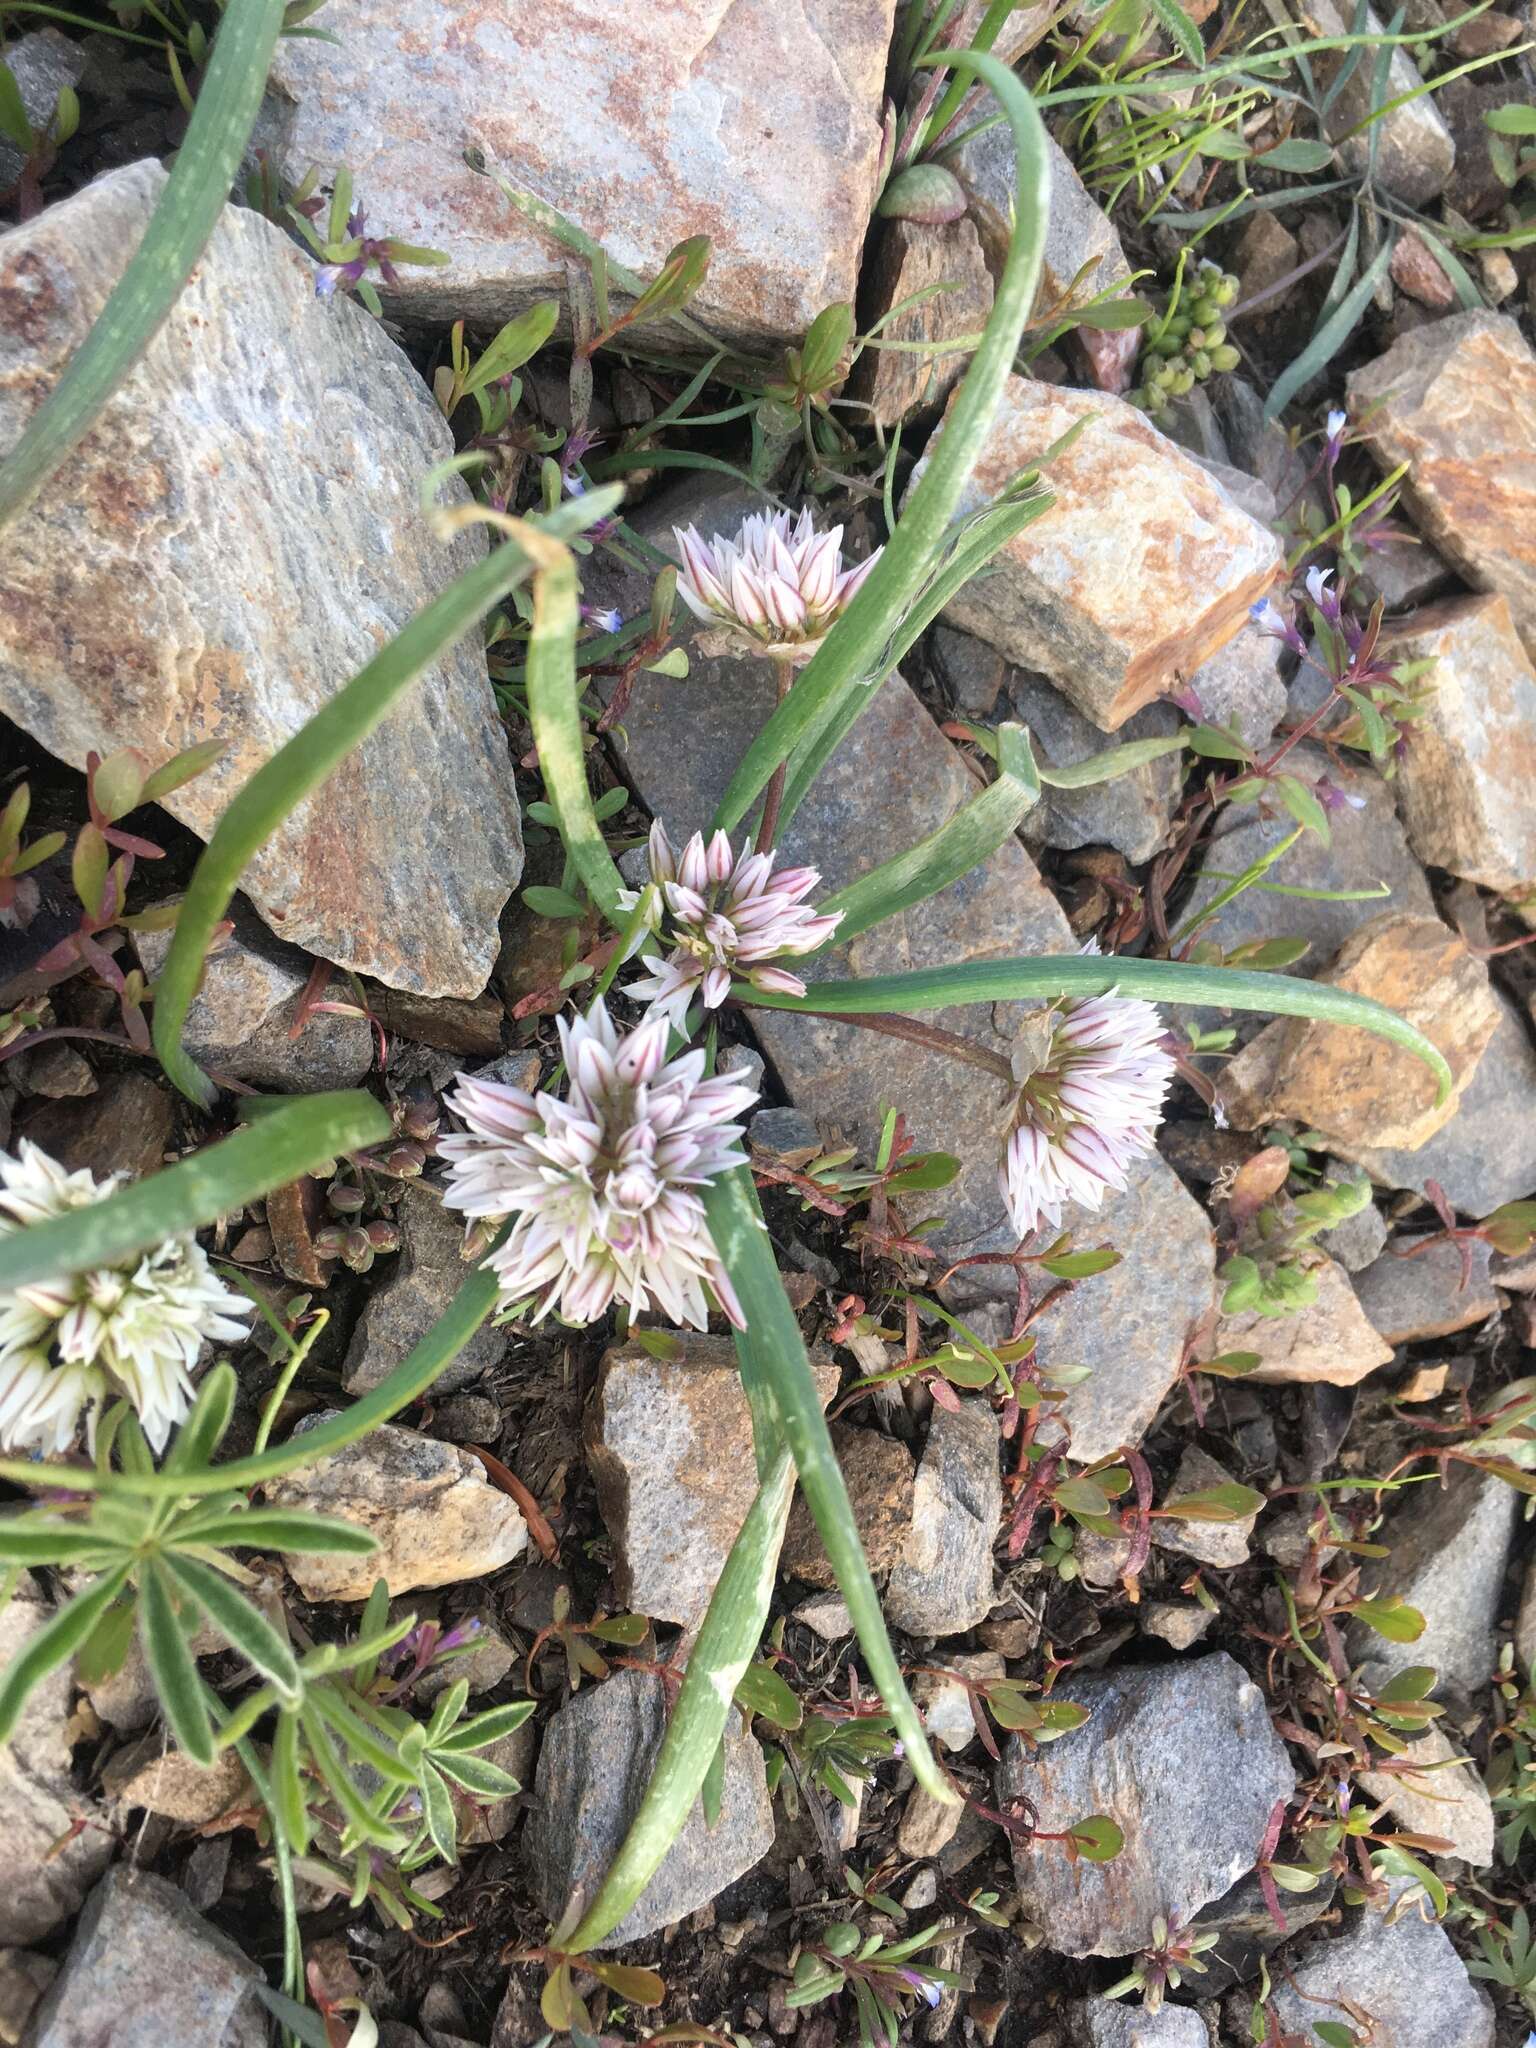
(243, 1626)
(173, 1667)
(56, 1640)
(267, 1154)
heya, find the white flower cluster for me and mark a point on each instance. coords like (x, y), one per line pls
(136, 1329)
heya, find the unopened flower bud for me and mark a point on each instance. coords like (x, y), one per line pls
(344, 1198)
(1225, 358)
(357, 1250)
(383, 1235)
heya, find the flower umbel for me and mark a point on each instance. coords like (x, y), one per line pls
(777, 588)
(136, 1329)
(1088, 1108)
(602, 1187)
(724, 916)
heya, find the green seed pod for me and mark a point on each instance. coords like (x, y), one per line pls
(1203, 311)
(1200, 363)
(1225, 358)
(1180, 324)
(1167, 345)
(1184, 381)
(1196, 338)
(1215, 333)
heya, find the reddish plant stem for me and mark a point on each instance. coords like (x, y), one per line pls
(933, 1036)
(785, 671)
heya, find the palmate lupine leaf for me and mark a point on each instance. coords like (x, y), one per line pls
(194, 196)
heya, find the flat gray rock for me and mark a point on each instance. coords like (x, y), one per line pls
(161, 593)
(754, 122)
(594, 1763)
(1107, 2023)
(45, 1884)
(1131, 813)
(145, 1971)
(412, 1288)
(1407, 1977)
(1183, 1758)
(1128, 1325)
(1423, 1296)
(942, 1583)
(1448, 1549)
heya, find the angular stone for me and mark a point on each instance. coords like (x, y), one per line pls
(1465, 780)
(1368, 847)
(149, 595)
(56, 1071)
(1241, 686)
(42, 63)
(879, 1475)
(1178, 1623)
(1266, 254)
(971, 671)
(1486, 1154)
(681, 744)
(412, 1289)
(1403, 571)
(1331, 1340)
(125, 1127)
(1248, 1932)
(826, 1615)
(437, 1518)
(1423, 1296)
(24, 1977)
(1106, 2023)
(912, 256)
(1412, 149)
(786, 1136)
(1456, 401)
(1357, 1088)
(758, 125)
(946, 1704)
(1182, 1757)
(927, 1824)
(145, 1971)
(1418, 271)
(1079, 235)
(1404, 1973)
(669, 1444)
(1129, 1325)
(1132, 812)
(1096, 594)
(45, 1882)
(163, 1781)
(1440, 1797)
(942, 1582)
(595, 1760)
(1222, 1544)
(1447, 1551)
(470, 1026)
(241, 1018)
(1358, 1241)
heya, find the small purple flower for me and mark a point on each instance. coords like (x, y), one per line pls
(1319, 590)
(1269, 618)
(609, 620)
(923, 1986)
(1338, 425)
(1332, 798)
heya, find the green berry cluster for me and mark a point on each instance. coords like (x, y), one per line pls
(1188, 343)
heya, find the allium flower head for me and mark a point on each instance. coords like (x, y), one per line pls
(724, 916)
(777, 588)
(1087, 1110)
(603, 1186)
(136, 1329)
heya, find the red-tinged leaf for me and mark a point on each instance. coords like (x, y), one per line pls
(1097, 1839)
(626, 1629)
(508, 1482)
(624, 1980)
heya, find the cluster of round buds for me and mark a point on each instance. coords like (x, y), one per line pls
(777, 588)
(724, 917)
(1190, 344)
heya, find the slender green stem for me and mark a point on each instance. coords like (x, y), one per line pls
(285, 1380)
(767, 831)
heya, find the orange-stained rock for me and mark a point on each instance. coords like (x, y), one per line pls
(1330, 1340)
(1457, 401)
(1466, 785)
(1347, 1082)
(755, 122)
(1141, 569)
(910, 257)
(1418, 271)
(238, 534)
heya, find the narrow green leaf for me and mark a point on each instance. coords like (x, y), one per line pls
(243, 1626)
(364, 1823)
(1330, 336)
(731, 1631)
(15, 127)
(46, 1539)
(173, 1667)
(203, 1431)
(1112, 762)
(1158, 981)
(480, 1730)
(55, 1641)
(1392, 1618)
(308, 1535)
(517, 343)
(212, 1183)
(961, 843)
(288, 1783)
(303, 763)
(852, 651)
(1229, 1503)
(774, 1365)
(194, 196)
